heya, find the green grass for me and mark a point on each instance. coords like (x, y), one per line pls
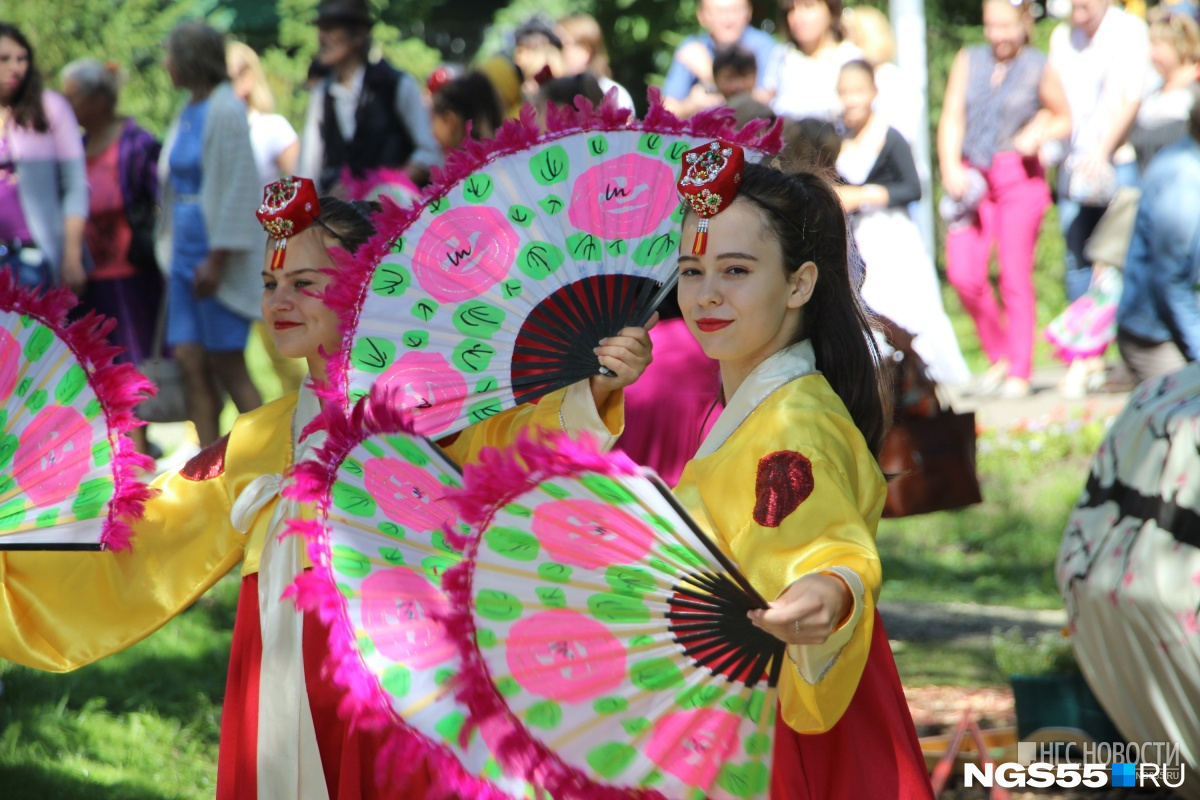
(969, 663)
(141, 724)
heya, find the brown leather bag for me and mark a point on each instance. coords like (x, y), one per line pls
(933, 461)
(929, 453)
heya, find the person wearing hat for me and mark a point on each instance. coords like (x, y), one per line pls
(364, 114)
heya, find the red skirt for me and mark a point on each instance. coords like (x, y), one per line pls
(872, 752)
(347, 756)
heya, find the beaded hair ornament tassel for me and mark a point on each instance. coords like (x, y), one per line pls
(708, 182)
(288, 207)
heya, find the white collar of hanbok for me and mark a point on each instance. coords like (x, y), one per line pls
(791, 362)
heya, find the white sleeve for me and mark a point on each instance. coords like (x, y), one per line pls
(312, 148)
(814, 660)
(579, 413)
(410, 107)
(1130, 68)
(278, 134)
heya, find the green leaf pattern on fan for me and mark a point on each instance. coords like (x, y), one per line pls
(572, 581)
(388, 553)
(446, 305)
(56, 456)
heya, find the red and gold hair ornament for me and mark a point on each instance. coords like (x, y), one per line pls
(288, 207)
(708, 182)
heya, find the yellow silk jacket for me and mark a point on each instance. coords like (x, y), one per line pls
(62, 610)
(787, 486)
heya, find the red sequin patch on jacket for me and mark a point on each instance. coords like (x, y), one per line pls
(784, 481)
(208, 463)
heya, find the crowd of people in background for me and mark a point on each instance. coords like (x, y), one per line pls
(162, 236)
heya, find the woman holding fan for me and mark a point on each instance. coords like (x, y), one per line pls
(281, 734)
(786, 482)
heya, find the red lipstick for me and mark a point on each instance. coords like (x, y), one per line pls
(283, 326)
(708, 324)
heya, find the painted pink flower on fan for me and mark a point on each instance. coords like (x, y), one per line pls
(623, 198)
(430, 389)
(53, 455)
(564, 655)
(692, 745)
(407, 494)
(400, 612)
(464, 252)
(588, 534)
(10, 360)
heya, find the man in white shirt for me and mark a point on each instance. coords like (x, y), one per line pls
(1103, 58)
(364, 115)
(689, 86)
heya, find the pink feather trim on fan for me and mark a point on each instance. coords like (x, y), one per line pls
(498, 479)
(351, 279)
(119, 387)
(364, 703)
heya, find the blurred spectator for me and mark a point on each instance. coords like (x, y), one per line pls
(583, 50)
(564, 91)
(688, 86)
(537, 52)
(441, 75)
(505, 77)
(364, 115)
(1158, 319)
(469, 98)
(746, 109)
(1127, 570)
(276, 145)
(735, 71)
(898, 102)
(317, 72)
(802, 76)
(276, 149)
(1002, 103)
(901, 282)
(122, 159)
(811, 143)
(1174, 52)
(207, 234)
(1102, 57)
(43, 181)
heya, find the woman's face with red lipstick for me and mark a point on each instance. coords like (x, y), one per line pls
(737, 299)
(292, 304)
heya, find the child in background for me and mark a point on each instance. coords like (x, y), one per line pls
(470, 98)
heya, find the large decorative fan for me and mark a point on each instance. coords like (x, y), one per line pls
(530, 249)
(67, 475)
(379, 549)
(606, 635)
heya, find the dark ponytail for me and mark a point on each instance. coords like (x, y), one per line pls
(349, 223)
(807, 218)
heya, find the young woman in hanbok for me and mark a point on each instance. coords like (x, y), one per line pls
(881, 180)
(786, 482)
(281, 735)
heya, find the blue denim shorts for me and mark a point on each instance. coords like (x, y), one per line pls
(206, 322)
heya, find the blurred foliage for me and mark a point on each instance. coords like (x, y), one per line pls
(1045, 653)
